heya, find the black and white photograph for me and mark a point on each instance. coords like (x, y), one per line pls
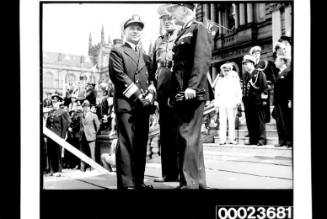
(175, 97)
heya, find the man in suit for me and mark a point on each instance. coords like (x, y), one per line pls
(192, 54)
(91, 93)
(283, 95)
(254, 85)
(90, 127)
(134, 93)
(162, 63)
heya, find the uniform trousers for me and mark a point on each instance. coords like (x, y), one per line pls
(54, 153)
(255, 120)
(168, 126)
(284, 124)
(132, 131)
(191, 161)
(227, 114)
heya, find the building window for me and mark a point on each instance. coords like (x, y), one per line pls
(48, 80)
(231, 17)
(70, 78)
(282, 20)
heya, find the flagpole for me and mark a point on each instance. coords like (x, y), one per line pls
(217, 25)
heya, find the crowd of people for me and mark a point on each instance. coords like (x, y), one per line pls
(173, 85)
(76, 117)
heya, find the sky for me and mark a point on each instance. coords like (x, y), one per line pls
(66, 27)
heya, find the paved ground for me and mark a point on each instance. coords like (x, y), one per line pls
(222, 171)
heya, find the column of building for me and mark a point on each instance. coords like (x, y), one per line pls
(242, 13)
(206, 10)
(236, 14)
(249, 12)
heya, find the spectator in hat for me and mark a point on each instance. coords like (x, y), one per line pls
(228, 95)
(287, 41)
(254, 85)
(90, 126)
(104, 106)
(73, 106)
(47, 102)
(67, 98)
(58, 121)
(192, 55)
(283, 102)
(134, 94)
(91, 93)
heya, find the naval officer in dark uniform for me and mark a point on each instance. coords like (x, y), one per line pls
(254, 85)
(268, 67)
(192, 55)
(162, 63)
(134, 93)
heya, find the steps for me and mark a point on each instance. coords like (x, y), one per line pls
(271, 133)
(243, 140)
(214, 149)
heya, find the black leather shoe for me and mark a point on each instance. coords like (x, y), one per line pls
(130, 188)
(127, 188)
(144, 187)
(165, 179)
(260, 143)
(181, 187)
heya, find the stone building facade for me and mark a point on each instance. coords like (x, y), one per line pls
(60, 70)
(245, 25)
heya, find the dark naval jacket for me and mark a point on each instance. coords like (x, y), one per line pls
(129, 73)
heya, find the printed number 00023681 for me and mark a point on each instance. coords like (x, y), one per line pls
(254, 212)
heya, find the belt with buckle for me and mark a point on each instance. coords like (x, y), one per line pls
(166, 64)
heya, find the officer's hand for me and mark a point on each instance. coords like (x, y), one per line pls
(70, 129)
(289, 104)
(141, 101)
(149, 97)
(190, 93)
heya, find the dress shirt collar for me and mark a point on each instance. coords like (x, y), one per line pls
(132, 45)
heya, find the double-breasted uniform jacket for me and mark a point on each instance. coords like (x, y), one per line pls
(191, 60)
(130, 73)
(58, 121)
(90, 125)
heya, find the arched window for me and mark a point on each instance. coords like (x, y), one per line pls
(70, 78)
(48, 80)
